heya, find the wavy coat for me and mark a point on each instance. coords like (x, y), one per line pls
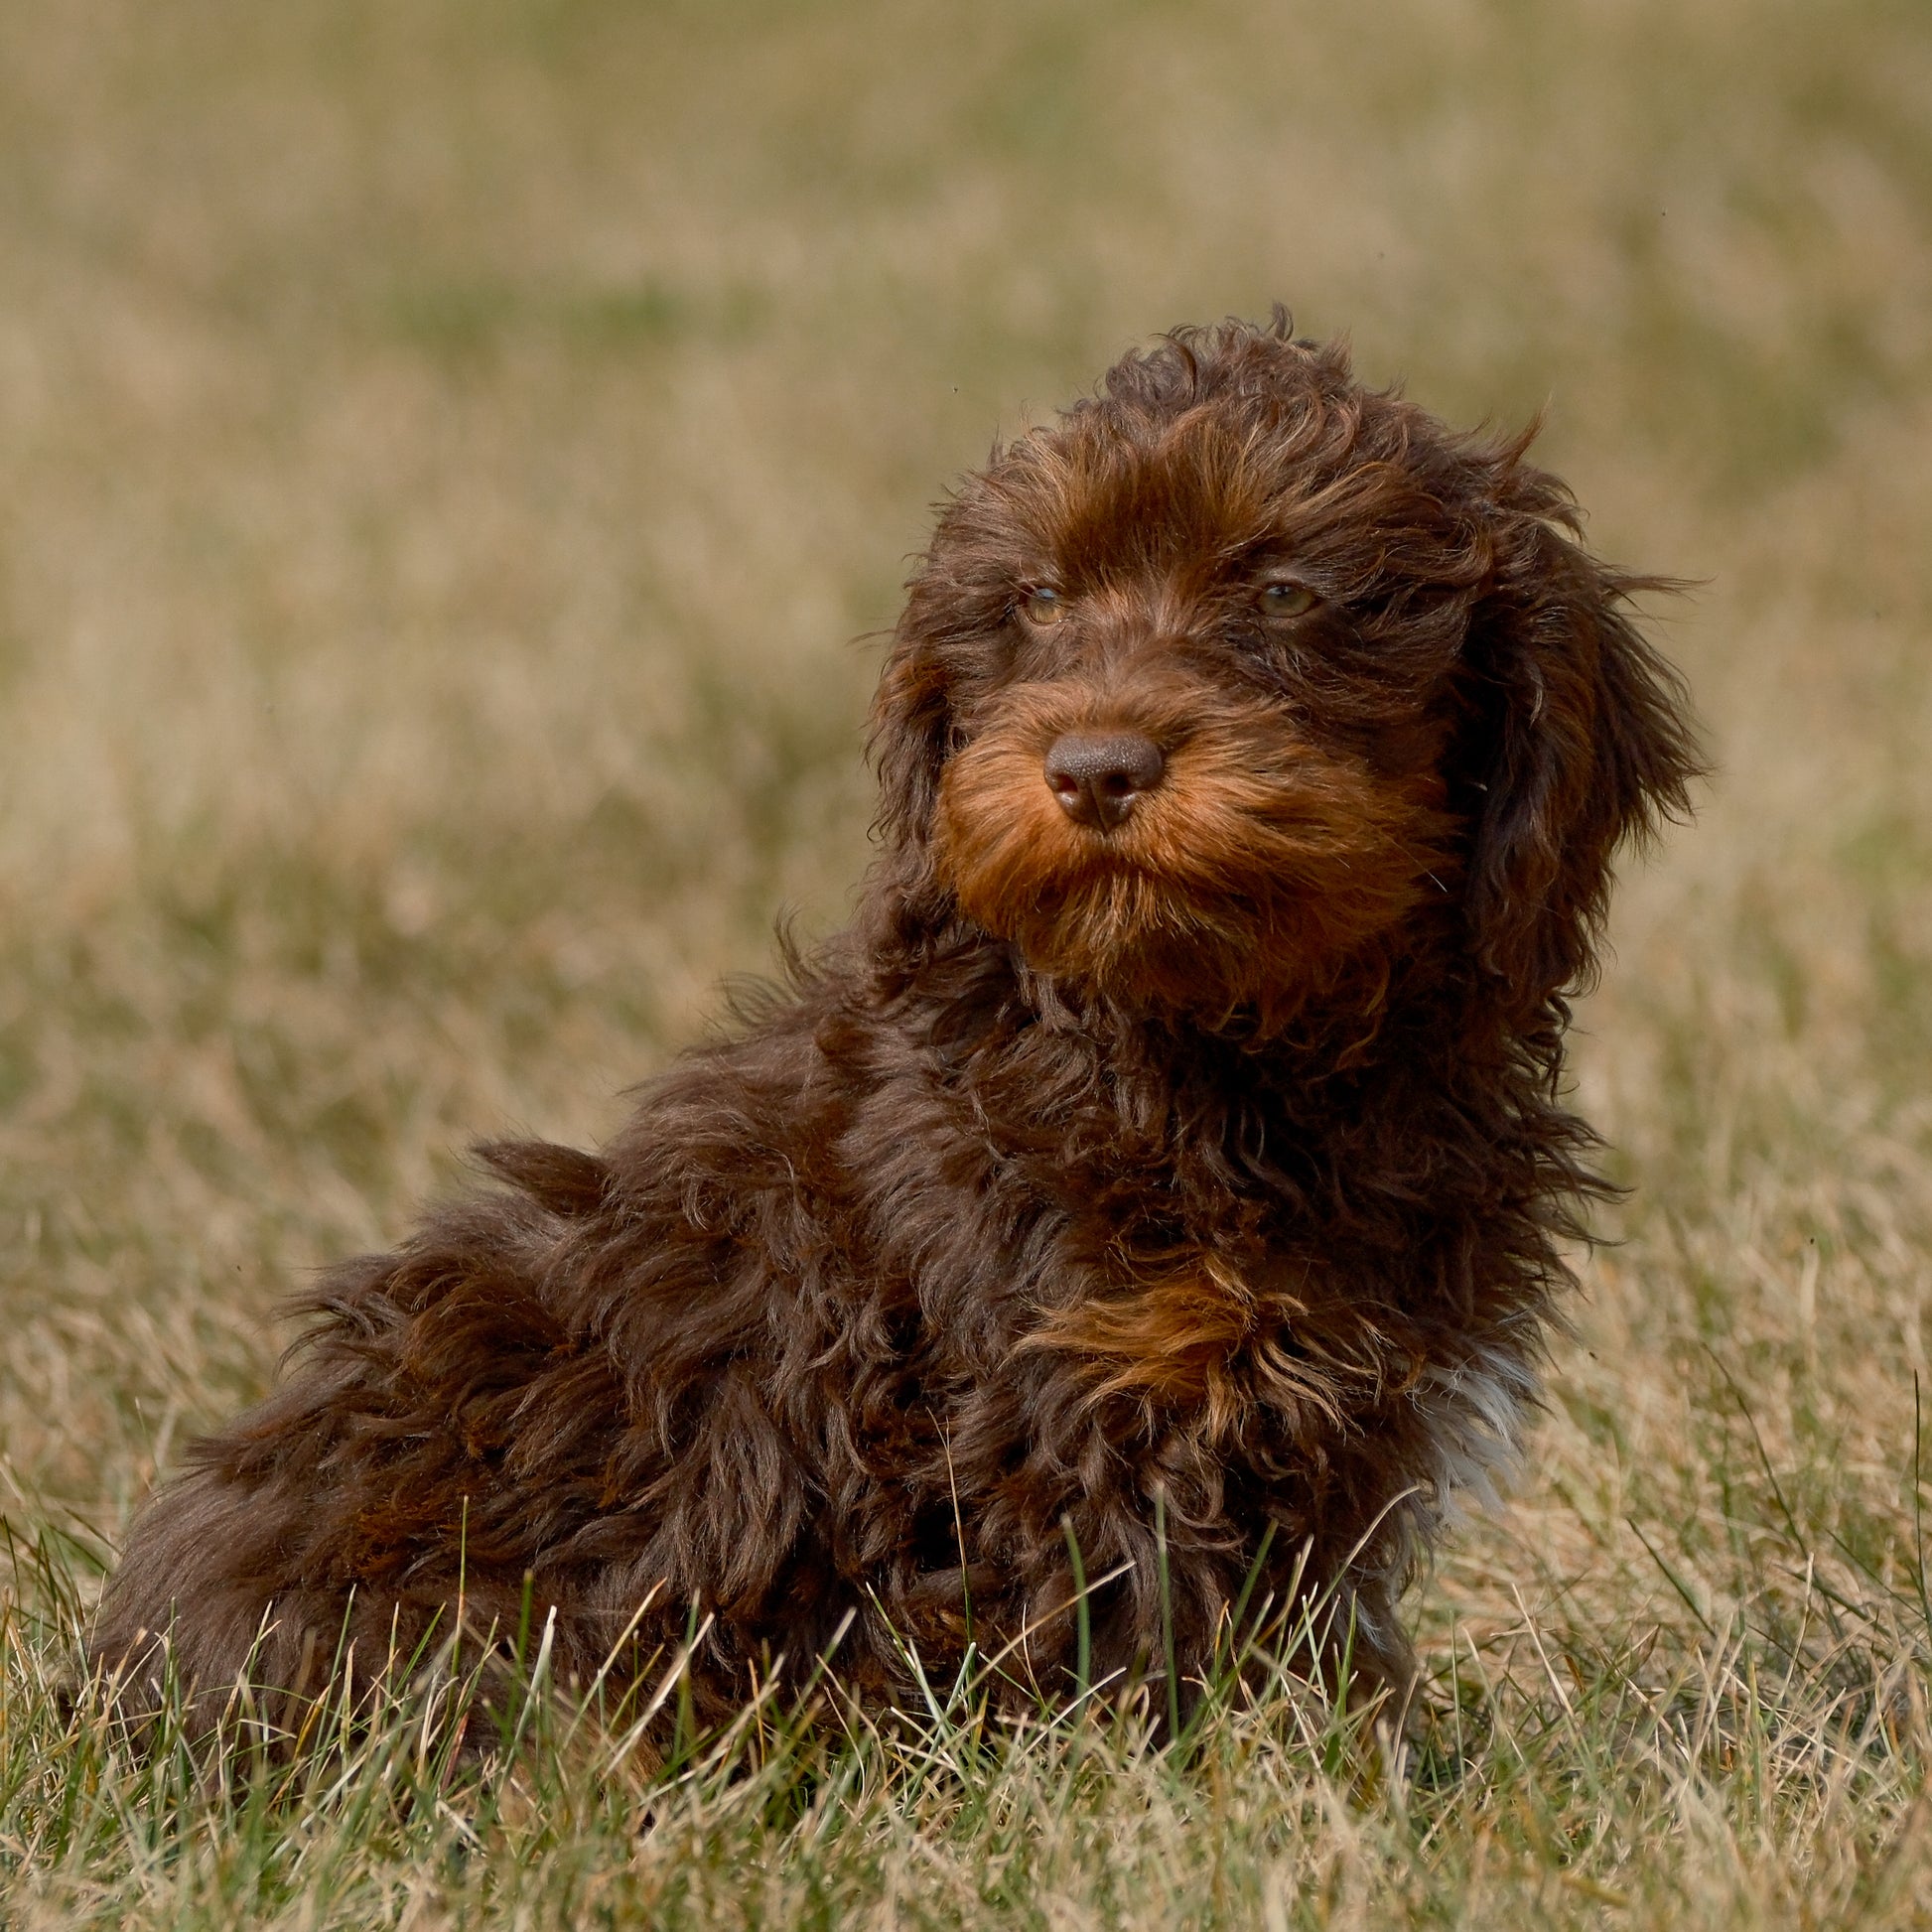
(1208, 1170)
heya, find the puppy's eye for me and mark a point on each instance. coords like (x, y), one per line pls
(1043, 604)
(1286, 600)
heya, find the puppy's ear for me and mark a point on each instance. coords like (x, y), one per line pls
(912, 723)
(1584, 738)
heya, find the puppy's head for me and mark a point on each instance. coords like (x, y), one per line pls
(1238, 675)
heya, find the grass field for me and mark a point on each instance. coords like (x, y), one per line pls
(447, 449)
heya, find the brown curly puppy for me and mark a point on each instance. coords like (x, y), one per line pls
(1173, 1139)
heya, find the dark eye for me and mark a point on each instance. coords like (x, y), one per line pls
(1043, 604)
(1286, 599)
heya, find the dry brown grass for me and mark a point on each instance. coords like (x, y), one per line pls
(444, 451)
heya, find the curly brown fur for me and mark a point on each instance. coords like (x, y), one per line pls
(1209, 1167)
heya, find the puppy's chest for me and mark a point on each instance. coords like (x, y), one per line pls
(1215, 1289)
(1180, 1325)
(1150, 1245)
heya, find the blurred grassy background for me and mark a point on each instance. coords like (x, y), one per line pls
(447, 450)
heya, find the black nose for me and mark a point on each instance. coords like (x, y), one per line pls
(1097, 776)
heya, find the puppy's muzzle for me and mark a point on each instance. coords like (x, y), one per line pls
(1099, 778)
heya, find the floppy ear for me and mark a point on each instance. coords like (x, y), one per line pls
(1584, 738)
(959, 591)
(911, 719)
(909, 740)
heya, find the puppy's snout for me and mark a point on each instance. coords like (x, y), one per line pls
(1097, 777)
